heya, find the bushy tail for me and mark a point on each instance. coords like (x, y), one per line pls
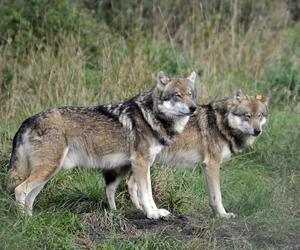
(18, 169)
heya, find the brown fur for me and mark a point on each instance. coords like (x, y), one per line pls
(210, 137)
(107, 137)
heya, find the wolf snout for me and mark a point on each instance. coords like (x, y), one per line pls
(193, 108)
(256, 131)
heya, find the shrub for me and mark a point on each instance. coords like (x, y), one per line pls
(32, 23)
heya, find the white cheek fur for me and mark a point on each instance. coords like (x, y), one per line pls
(263, 122)
(237, 123)
(178, 108)
(234, 121)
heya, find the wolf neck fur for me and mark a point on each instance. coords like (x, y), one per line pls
(236, 140)
(163, 127)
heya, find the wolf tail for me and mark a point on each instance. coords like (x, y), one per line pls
(18, 169)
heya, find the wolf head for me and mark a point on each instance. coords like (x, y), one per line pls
(175, 96)
(248, 114)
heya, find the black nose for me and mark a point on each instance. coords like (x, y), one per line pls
(257, 131)
(193, 109)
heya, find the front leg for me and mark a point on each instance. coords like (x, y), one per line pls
(212, 176)
(141, 176)
(133, 192)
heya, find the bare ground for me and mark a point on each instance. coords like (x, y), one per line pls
(184, 228)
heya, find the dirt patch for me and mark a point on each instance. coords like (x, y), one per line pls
(183, 227)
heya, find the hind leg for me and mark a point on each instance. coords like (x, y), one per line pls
(31, 197)
(27, 191)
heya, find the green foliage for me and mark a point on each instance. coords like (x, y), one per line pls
(247, 191)
(283, 79)
(64, 52)
(51, 231)
(153, 242)
(85, 195)
(34, 23)
(7, 79)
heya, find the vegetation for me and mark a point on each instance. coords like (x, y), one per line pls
(87, 52)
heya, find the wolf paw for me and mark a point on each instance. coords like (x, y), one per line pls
(154, 215)
(158, 213)
(227, 215)
(163, 212)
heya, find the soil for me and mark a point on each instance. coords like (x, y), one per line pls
(183, 227)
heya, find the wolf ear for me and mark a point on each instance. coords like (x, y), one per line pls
(162, 79)
(238, 96)
(263, 99)
(192, 78)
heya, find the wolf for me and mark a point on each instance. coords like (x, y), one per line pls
(104, 137)
(217, 130)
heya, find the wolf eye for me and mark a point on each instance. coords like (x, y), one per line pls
(260, 115)
(177, 94)
(237, 114)
(248, 115)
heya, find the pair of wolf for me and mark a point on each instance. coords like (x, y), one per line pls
(163, 125)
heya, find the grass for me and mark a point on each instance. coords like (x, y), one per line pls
(259, 55)
(257, 185)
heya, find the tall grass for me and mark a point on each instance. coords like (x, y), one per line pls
(109, 51)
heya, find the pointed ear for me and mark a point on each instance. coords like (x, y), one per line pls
(192, 78)
(162, 79)
(263, 99)
(238, 96)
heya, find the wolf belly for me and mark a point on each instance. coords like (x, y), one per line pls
(180, 158)
(79, 157)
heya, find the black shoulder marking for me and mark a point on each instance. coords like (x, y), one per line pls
(131, 113)
(104, 111)
(211, 116)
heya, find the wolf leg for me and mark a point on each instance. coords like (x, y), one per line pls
(27, 191)
(212, 176)
(133, 189)
(140, 167)
(113, 178)
(31, 197)
(162, 212)
(110, 191)
(45, 163)
(140, 177)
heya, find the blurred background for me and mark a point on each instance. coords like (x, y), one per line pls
(89, 52)
(93, 51)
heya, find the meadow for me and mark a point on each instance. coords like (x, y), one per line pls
(62, 52)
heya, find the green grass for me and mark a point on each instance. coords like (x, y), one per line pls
(90, 60)
(260, 188)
